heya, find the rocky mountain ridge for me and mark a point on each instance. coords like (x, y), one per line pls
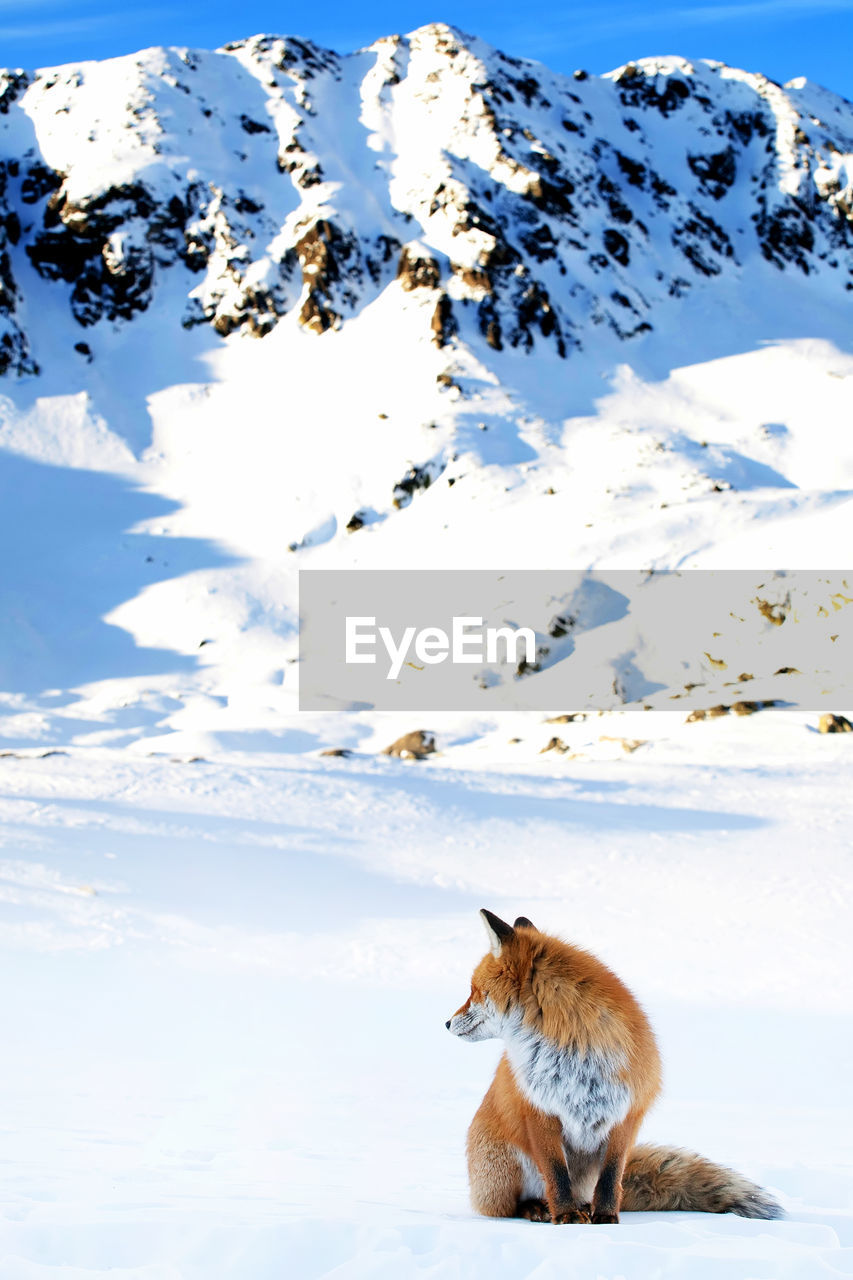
(526, 208)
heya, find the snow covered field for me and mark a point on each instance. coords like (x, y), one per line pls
(227, 983)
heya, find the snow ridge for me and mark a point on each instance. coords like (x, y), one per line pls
(520, 207)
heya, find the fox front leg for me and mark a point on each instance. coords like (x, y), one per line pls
(607, 1200)
(608, 1193)
(561, 1199)
(545, 1146)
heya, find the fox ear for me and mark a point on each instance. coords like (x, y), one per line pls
(523, 923)
(498, 931)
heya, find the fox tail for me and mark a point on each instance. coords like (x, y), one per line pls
(670, 1178)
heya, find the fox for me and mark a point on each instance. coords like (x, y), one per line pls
(554, 1138)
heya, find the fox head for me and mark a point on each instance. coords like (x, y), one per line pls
(496, 985)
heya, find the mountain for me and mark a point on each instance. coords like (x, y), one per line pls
(286, 179)
(424, 305)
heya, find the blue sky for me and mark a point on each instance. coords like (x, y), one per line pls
(782, 38)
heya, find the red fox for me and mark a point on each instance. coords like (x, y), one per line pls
(553, 1139)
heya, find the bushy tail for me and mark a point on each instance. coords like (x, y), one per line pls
(669, 1178)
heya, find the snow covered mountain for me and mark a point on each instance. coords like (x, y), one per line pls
(528, 208)
(257, 302)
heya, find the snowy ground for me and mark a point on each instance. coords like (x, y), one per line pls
(227, 982)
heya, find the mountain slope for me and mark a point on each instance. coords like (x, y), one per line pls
(284, 177)
(423, 305)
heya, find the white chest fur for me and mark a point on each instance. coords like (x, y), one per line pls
(583, 1089)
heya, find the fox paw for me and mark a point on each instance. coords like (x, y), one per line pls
(572, 1215)
(601, 1216)
(534, 1211)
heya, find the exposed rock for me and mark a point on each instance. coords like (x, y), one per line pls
(253, 126)
(830, 723)
(330, 262)
(477, 280)
(412, 746)
(552, 197)
(38, 182)
(639, 90)
(490, 325)
(316, 316)
(616, 245)
(742, 708)
(786, 236)
(560, 626)
(533, 310)
(417, 271)
(443, 322)
(716, 173)
(415, 478)
(540, 244)
(702, 241)
(634, 171)
(14, 348)
(236, 303)
(12, 85)
(775, 613)
(102, 247)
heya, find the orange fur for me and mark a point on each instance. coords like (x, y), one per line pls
(553, 1139)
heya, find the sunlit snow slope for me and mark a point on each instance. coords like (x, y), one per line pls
(423, 305)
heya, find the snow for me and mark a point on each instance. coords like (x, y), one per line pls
(632, 462)
(229, 959)
(225, 1042)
